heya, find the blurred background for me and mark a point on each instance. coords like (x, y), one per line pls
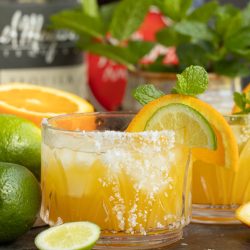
(32, 53)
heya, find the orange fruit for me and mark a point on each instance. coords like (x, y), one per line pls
(226, 153)
(243, 213)
(246, 90)
(36, 102)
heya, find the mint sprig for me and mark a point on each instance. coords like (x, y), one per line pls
(147, 93)
(192, 81)
(243, 102)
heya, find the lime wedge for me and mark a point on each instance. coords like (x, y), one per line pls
(191, 127)
(69, 236)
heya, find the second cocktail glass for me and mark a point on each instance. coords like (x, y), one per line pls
(218, 191)
(135, 186)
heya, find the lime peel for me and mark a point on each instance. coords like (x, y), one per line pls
(69, 236)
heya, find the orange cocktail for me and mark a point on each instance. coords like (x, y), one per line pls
(217, 191)
(133, 185)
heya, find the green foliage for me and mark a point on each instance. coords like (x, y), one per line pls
(192, 81)
(203, 13)
(79, 22)
(128, 17)
(242, 101)
(120, 55)
(90, 7)
(214, 36)
(140, 48)
(175, 9)
(147, 93)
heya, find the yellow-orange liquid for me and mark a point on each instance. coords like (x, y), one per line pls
(216, 185)
(133, 193)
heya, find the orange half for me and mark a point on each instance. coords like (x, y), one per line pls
(226, 153)
(36, 102)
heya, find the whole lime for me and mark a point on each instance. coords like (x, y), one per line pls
(20, 142)
(20, 200)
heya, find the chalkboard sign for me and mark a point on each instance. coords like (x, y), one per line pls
(31, 52)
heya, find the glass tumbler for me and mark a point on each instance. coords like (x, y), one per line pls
(218, 191)
(135, 186)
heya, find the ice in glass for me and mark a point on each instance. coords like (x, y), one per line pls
(135, 186)
(218, 191)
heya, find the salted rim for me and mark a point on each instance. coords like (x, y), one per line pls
(46, 121)
(105, 133)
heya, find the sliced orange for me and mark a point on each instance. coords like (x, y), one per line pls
(36, 102)
(226, 153)
(243, 213)
(246, 90)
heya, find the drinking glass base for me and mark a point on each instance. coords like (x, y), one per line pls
(139, 241)
(218, 214)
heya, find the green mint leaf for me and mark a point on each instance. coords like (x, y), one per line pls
(117, 54)
(174, 9)
(232, 68)
(128, 17)
(192, 81)
(239, 40)
(204, 12)
(78, 22)
(170, 37)
(140, 48)
(240, 100)
(90, 8)
(146, 93)
(189, 54)
(195, 29)
(224, 15)
(171, 8)
(106, 13)
(235, 25)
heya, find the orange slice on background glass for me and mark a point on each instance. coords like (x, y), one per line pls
(246, 90)
(36, 102)
(168, 112)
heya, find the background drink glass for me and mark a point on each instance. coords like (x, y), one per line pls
(135, 186)
(218, 191)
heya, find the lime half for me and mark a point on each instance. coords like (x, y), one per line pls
(190, 126)
(69, 236)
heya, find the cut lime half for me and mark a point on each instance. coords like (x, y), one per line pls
(69, 236)
(190, 126)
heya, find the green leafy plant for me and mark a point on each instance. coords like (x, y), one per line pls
(242, 100)
(192, 81)
(214, 36)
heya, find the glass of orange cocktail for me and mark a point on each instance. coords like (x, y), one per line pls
(218, 191)
(135, 186)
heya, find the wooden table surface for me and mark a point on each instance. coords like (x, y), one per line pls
(196, 237)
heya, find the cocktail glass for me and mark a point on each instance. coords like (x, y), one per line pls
(135, 186)
(218, 191)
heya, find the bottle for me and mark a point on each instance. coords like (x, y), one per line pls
(30, 52)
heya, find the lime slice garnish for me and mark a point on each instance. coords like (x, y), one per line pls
(69, 236)
(190, 126)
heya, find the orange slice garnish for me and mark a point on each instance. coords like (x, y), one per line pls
(36, 102)
(226, 153)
